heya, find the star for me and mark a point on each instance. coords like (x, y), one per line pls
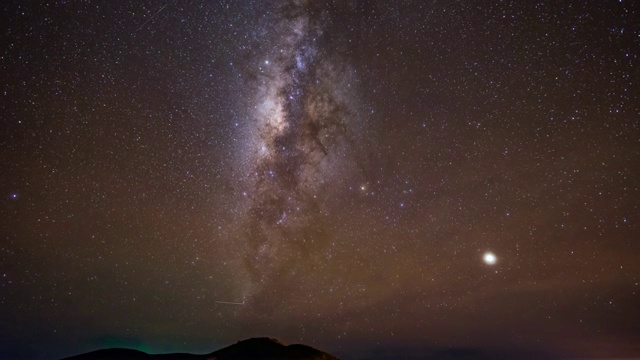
(489, 258)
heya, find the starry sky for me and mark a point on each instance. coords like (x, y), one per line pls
(373, 178)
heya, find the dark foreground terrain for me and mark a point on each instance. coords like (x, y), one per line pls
(256, 348)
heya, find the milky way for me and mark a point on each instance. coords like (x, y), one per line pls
(300, 135)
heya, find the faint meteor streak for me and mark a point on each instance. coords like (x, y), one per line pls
(230, 302)
(151, 18)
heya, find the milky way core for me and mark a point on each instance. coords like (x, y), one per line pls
(300, 134)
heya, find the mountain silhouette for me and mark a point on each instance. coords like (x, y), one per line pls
(255, 348)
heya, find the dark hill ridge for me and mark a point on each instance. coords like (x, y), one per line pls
(255, 348)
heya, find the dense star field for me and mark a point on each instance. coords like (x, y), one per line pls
(377, 179)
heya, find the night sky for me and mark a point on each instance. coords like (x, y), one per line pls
(373, 178)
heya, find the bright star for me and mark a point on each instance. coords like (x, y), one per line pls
(489, 258)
